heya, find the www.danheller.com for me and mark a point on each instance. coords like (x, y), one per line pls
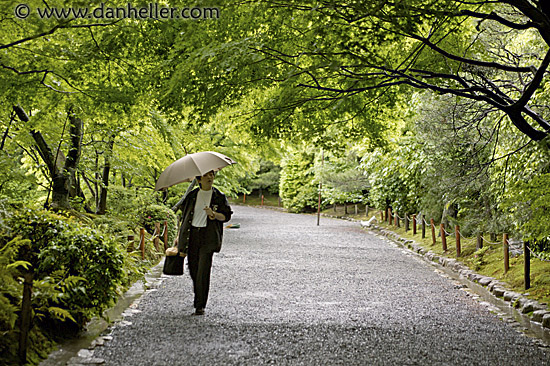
(103, 11)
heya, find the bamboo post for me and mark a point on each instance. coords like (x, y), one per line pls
(142, 242)
(432, 224)
(381, 216)
(262, 199)
(406, 222)
(414, 224)
(457, 239)
(443, 237)
(156, 238)
(526, 266)
(506, 252)
(244, 198)
(165, 236)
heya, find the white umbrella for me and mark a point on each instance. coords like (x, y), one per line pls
(191, 166)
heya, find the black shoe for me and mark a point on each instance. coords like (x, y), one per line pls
(199, 311)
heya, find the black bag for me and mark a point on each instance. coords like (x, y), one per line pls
(173, 265)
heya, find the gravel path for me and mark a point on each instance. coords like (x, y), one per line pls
(285, 291)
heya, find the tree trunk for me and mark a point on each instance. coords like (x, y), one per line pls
(90, 188)
(64, 182)
(62, 170)
(7, 132)
(102, 206)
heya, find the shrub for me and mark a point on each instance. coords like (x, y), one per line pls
(151, 214)
(10, 290)
(78, 269)
(298, 188)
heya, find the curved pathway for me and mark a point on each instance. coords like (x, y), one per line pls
(288, 292)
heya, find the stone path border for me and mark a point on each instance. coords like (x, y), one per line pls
(537, 312)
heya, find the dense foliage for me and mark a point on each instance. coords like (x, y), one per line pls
(77, 271)
(433, 107)
(298, 188)
(152, 214)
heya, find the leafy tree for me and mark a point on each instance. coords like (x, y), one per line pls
(266, 178)
(298, 188)
(468, 49)
(342, 179)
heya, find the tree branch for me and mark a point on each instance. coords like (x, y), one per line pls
(451, 56)
(53, 30)
(497, 18)
(535, 83)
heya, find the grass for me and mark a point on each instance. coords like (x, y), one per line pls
(488, 262)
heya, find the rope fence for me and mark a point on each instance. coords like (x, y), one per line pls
(394, 219)
(155, 238)
(536, 255)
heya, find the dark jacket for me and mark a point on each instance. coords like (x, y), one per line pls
(214, 228)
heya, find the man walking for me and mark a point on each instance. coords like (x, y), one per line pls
(204, 211)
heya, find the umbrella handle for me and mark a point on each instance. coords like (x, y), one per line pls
(191, 186)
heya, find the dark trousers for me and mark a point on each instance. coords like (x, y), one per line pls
(199, 261)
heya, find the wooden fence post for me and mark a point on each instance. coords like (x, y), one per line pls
(142, 242)
(397, 220)
(526, 266)
(423, 225)
(433, 230)
(457, 239)
(506, 252)
(130, 243)
(25, 316)
(262, 199)
(414, 224)
(443, 237)
(244, 198)
(479, 242)
(165, 236)
(156, 238)
(406, 222)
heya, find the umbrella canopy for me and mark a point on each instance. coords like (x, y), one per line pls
(190, 166)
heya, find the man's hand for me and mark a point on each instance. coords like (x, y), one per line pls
(211, 214)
